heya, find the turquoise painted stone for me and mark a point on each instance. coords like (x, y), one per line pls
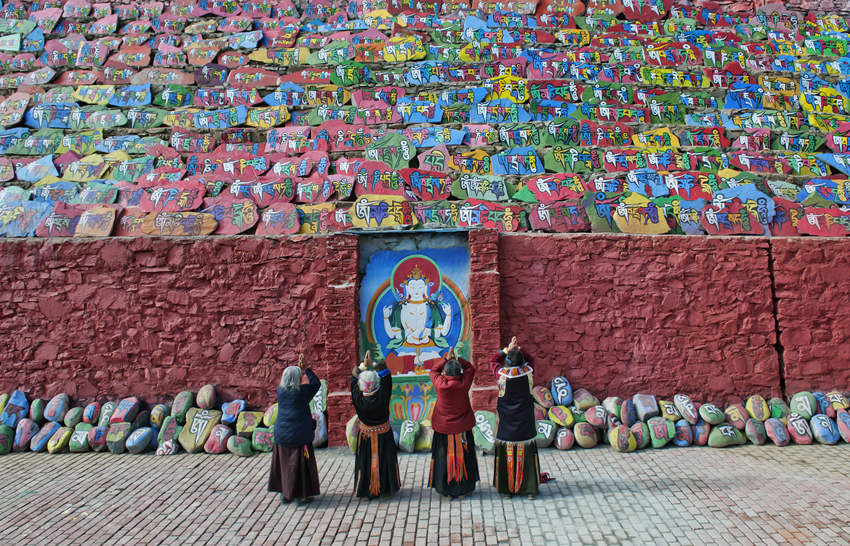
(686, 408)
(586, 435)
(230, 411)
(15, 410)
(169, 447)
(842, 421)
(622, 439)
(667, 410)
(799, 430)
(59, 441)
(584, 400)
(73, 417)
(7, 439)
(684, 434)
(270, 415)
(562, 391)
(126, 410)
(661, 431)
(206, 397)
(612, 405)
(822, 402)
(545, 433)
(116, 438)
(804, 404)
(564, 439)
(183, 402)
(79, 442)
(779, 409)
(239, 446)
(725, 436)
(320, 434)
(24, 432)
(91, 413)
(628, 414)
(158, 414)
(757, 408)
(711, 414)
(596, 416)
(97, 438)
(646, 406)
(484, 431)
(701, 432)
(755, 431)
(777, 431)
(106, 412)
(640, 430)
(39, 441)
(824, 429)
(139, 440)
(169, 430)
(542, 397)
(407, 435)
(37, 410)
(247, 422)
(262, 439)
(56, 408)
(217, 442)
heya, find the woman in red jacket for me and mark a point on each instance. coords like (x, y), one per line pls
(454, 467)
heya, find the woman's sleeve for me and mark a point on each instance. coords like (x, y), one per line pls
(312, 387)
(356, 395)
(468, 372)
(436, 373)
(498, 361)
(386, 387)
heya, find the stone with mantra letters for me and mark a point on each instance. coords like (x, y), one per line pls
(39, 441)
(140, 440)
(270, 416)
(352, 431)
(169, 430)
(842, 421)
(701, 432)
(755, 431)
(584, 400)
(646, 406)
(661, 431)
(97, 438)
(586, 436)
(79, 442)
(596, 416)
(407, 435)
(628, 414)
(779, 409)
(824, 429)
(59, 441)
(542, 396)
(622, 440)
(106, 412)
(319, 402)
(15, 410)
(799, 430)
(199, 425)
(179, 224)
(183, 402)
(686, 408)
(7, 439)
(484, 431)
(668, 410)
(640, 430)
(230, 411)
(823, 404)
(233, 215)
(725, 436)
(206, 397)
(91, 412)
(126, 410)
(36, 412)
(248, 421)
(169, 447)
(217, 442)
(562, 391)
(757, 408)
(320, 434)
(239, 446)
(564, 439)
(545, 433)
(837, 400)
(711, 414)
(684, 436)
(73, 417)
(158, 414)
(737, 416)
(96, 221)
(613, 405)
(279, 219)
(539, 412)
(24, 432)
(176, 197)
(262, 439)
(116, 438)
(57, 407)
(561, 416)
(804, 404)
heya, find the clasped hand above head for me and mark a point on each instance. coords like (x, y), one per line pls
(511, 346)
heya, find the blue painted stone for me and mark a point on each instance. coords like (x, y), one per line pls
(842, 420)
(27, 428)
(822, 401)
(231, 410)
(97, 438)
(158, 414)
(701, 432)
(39, 441)
(562, 391)
(126, 411)
(755, 431)
(684, 435)
(646, 406)
(15, 410)
(57, 407)
(777, 432)
(824, 429)
(139, 440)
(628, 415)
(91, 412)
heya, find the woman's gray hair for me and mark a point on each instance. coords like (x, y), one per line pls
(290, 378)
(368, 382)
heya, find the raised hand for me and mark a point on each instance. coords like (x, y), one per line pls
(301, 362)
(451, 354)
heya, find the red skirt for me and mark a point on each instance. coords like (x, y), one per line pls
(294, 473)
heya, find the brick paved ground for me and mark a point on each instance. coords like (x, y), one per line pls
(698, 495)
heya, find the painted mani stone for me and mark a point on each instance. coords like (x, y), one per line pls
(7, 439)
(352, 431)
(73, 417)
(542, 397)
(24, 432)
(564, 439)
(106, 414)
(584, 400)
(320, 434)
(586, 435)
(56, 408)
(686, 408)
(39, 441)
(545, 433)
(684, 434)
(247, 422)
(612, 405)
(484, 431)
(183, 402)
(116, 438)
(824, 429)
(757, 408)
(158, 414)
(140, 440)
(169, 447)
(667, 410)
(837, 400)
(561, 416)
(425, 437)
(407, 435)
(622, 439)
(15, 410)
(169, 430)
(640, 430)
(646, 406)
(143, 419)
(206, 397)
(711, 414)
(755, 431)
(126, 410)
(4, 398)
(262, 439)
(199, 425)
(737, 416)
(97, 438)
(270, 415)
(842, 420)
(37, 410)
(628, 414)
(539, 412)
(596, 416)
(779, 409)
(725, 436)
(661, 431)
(701, 432)
(217, 442)
(799, 430)
(79, 442)
(91, 412)
(230, 411)
(59, 441)
(804, 404)
(562, 391)
(239, 446)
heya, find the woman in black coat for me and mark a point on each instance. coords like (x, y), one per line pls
(294, 473)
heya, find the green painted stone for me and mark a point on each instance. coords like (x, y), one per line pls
(183, 402)
(262, 439)
(169, 430)
(270, 416)
(407, 435)
(74, 417)
(37, 410)
(546, 431)
(711, 414)
(804, 403)
(755, 431)
(661, 431)
(484, 431)
(640, 430)
(4, 399)
(116, 438)
(425, 437)
(352, 431)
(7, 439)
(613, 405)
(247, 422)
(79, 442)
(106, 414)
(239, 446)
(59, 441)
(725, 436)
(779, 409)
(206, 397)
(158, 414)
(757, 408)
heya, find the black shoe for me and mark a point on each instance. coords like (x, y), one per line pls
(305, 500)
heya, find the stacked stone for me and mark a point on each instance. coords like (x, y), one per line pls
(192, 422)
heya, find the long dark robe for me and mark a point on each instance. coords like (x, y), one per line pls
(374, 410)
(441, 460)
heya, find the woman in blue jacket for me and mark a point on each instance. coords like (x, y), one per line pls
(294, 473)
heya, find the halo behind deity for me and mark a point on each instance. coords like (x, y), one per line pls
(416, 266)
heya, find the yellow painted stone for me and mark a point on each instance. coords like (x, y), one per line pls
(637, 214)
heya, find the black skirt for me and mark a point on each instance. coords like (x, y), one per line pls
(439, 475)
(294, 473)
(387, 466)
(517, 468)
